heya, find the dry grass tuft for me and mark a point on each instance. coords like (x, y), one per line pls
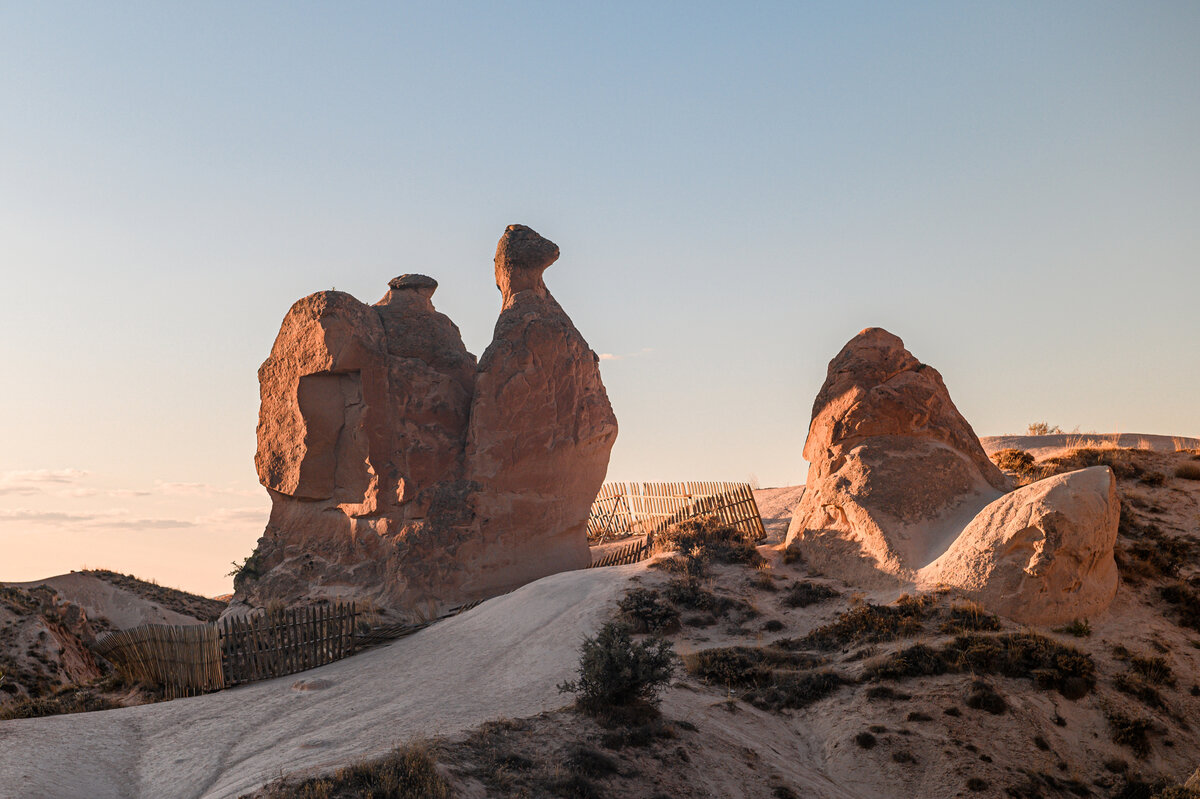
(1188, 471)
(408, 772)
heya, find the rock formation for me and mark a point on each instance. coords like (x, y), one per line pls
(1040, 555)
(898, 483)
(402, 474)
(895, 470)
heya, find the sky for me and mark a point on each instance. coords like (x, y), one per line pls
(736, 189)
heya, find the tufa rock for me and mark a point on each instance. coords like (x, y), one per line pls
(895, 470)
(899, 484)
(400, 472)
(541, 424)
(1042, 554)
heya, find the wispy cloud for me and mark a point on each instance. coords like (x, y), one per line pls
(221, 516)
(608, 356)
(36, 481)
(108, 519)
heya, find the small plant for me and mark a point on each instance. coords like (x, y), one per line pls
(970, 617)
(408, 772)
(867, 623)
(1013, 460)
(248, 570)
(865, 739)
(1080, 628)
(688, 593)
(646, 612)
(1042, 429)
(616, 672)
(803, 593)
(1188, 471)
(1129, 731)
(984, 697)
(708, 537)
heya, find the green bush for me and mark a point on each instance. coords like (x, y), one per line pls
(614, 671)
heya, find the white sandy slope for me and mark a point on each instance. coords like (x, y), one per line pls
(99, 597)
(502, 659)
(776, 506)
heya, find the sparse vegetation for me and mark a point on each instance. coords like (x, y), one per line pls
(1042, 429)
(1080, 628)
(969, 617)
(616, 672)
(1013, 460)
(194, 605)
(249, 570)
(1129, 731)
(984, 697)
(865, 739)
(408, 772)
(707, 537)
(646, 612)
(1188, 471)
(770, 677)
(867, 623)
(1049, 664)
(803, 593)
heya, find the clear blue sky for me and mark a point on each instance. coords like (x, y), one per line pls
(1014, 189)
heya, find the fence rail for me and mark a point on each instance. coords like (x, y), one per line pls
(627, 509)
(186, 660)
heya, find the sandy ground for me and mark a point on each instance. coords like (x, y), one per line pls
(101, 598)
(1042, 447)
(502, 659)
(775, 505)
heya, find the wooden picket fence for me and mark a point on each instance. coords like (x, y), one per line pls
(186, 660)
(627, 509)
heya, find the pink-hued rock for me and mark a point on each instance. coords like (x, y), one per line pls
(1040, 555)
(895, 471)
(541, 425)
(363, 436)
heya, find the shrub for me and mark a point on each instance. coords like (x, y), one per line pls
(1013, 460)
(708, 536)
(803, 593)
(1042, 429)
(865, 739)
(869, 623)
(1186, 602)
(408, 772)
(1129, 731)
(616, 672)
(1048, 663)
(970, 617)
(1080, 628)
(687, 592)
(248, 570)
(984, 697)
(645, 611)
(1188, 471)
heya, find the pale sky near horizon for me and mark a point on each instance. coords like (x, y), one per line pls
(1014, 189)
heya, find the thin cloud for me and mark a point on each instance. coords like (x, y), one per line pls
(25, 482)
(255, 515)
(608, 356)
(110, 519)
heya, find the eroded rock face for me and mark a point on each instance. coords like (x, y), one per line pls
(1042, 554)
(895, 470)
(541, 425)
(898, 484)
(402, 473)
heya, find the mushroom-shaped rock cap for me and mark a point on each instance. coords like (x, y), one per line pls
(413, 282)
(521, 257)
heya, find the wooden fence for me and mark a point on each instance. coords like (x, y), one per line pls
(186, 660)
(626, 509)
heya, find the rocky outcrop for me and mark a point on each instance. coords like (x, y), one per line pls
(898, 484)
(541, 424)
(895, 470)
(1040, 555)
(402, 473)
